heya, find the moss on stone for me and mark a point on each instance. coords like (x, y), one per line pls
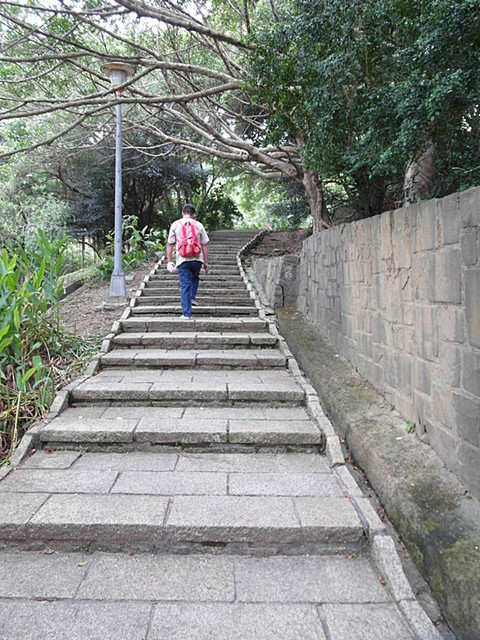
(456, 585)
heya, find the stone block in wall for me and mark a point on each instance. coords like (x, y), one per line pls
(444, 443)
(426, 331)
(385, 236)
(403, 404)
(408, 313)
(449, 222)
(442, 406)
(469, 204)
(401, 241)
(447, 283)
(390, 373)
(289, 280)
(426, 229)
(398, 336)
(410, 346)
(471, 373)
(451, 324)
(472, 305)
(467, 412)
(470, 244)
(450, 365)
(423, 274)
(468, 467)
(405, 364)
(423, 376)
(393, 299)
(421, 410)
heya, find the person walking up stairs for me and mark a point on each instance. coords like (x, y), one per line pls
(190, 239)
(190, 487)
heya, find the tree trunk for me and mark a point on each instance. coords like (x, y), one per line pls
(313, 187)
(419, 176)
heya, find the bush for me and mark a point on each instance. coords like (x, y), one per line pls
(32, 346)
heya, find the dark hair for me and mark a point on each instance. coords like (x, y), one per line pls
(189, 208)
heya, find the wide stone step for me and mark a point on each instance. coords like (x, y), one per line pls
(184, 386)
(177, 500)
(204, 291)
(199, 340)
(135, 427)
(233, 281)
(203, 301)
(162, 324)
(191, 358)
(195, 597)
(218, 311)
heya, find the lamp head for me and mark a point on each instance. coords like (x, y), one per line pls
(118, 73)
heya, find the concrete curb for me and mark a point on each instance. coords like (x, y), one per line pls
(382, 548)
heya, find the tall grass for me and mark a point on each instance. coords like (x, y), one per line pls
(34, 358)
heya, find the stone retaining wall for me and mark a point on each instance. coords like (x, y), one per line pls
(279, 278)
(399, 297)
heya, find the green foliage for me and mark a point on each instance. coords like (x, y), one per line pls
(140, 246)
(368, 85)
(219, 211)
(31, 343)
(29, 201)
(291, 210)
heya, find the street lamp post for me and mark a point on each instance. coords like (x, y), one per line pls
(119, 74)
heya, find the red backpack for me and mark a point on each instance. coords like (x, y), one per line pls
(188, 244)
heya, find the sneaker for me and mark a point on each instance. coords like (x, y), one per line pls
(185, 318)
(194, 303)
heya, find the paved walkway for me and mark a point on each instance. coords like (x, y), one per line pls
(191, 488)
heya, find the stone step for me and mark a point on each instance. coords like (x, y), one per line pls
(217, 311)
(127, 596)
(197, 340)
(157, 323)
(195, 358)
(203, 301)
(177, 501)
(203, 291)
(195, 386)
(217, 279)
(136, 427)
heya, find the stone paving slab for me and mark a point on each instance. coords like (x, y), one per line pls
(305, 579)
(185, 431)
(75, 621)
(337, 517)
(274, 431)
(236, 622)
(369, 622)
(256, 463)
(249, 413)
(104, 519)
(63, 429)
(58, 481)
(283, 484)
(128, 461)
(169, 484)
(50, 459)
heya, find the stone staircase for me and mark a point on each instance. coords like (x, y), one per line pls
(202, 437)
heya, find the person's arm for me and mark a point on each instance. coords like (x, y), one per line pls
(170, 246)
(205, 257)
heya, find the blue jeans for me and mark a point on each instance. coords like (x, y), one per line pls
(188, 274)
